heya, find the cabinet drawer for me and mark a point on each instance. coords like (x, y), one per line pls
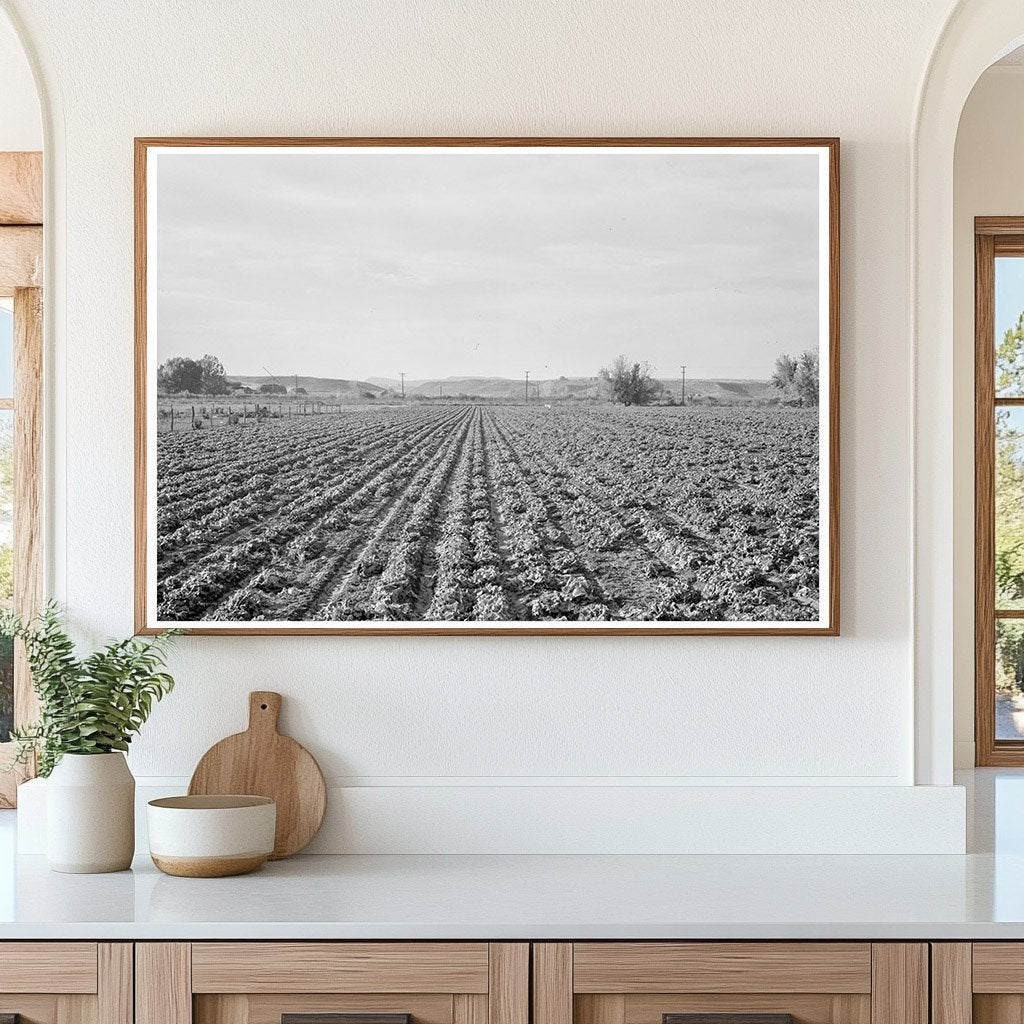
(333, 983)
(66, 982)
(730, 983)
(634, 967)
(65, 967)
(340, 967)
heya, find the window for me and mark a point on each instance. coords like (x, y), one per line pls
(999, 490)
(21, 268)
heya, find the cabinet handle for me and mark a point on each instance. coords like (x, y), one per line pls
(336, 1018)
(727, 1018)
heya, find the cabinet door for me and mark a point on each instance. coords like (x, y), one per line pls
(65, 983)
(980, 982)
(730, 983)
(332, 983)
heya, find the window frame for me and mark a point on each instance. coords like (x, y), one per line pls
(993, 237)
(21, 272)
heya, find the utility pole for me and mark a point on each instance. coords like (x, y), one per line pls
(402, 375)
(682, 387)
(527, 387)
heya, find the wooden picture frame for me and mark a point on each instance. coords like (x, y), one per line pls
(149, 414)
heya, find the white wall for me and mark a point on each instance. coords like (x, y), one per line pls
(20, 124)
(987, 181)
(465, 711)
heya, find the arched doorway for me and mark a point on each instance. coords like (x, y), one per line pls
(976, 34)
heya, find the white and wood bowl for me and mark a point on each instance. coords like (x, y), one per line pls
(211, 836)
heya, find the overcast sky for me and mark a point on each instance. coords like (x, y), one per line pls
(479, 263)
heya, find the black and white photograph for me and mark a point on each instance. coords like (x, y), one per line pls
(433, 386)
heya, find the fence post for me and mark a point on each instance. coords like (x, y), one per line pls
(172, 417)
(193, 417)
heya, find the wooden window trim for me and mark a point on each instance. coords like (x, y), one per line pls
(993, 237)
(21, 269)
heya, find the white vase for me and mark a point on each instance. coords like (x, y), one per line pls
(90, 814)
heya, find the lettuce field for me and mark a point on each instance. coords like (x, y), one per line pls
(489, 512)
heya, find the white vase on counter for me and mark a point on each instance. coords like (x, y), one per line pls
(90, 814)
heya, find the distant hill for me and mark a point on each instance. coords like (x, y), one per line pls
(721, 391)
(716, 391)
(314, 385)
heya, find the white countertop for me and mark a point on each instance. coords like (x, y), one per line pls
(496, 897)
(977, 896)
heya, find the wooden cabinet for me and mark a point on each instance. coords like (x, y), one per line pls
(753, 982)
(66, 982)
(979, 982)
(307, 982)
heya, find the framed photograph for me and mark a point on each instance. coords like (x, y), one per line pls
(492, 386)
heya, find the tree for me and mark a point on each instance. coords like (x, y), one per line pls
(784, 373)
(204, 376)
(273, 389)
(1010, 361)
(215, 380)
(806, 378)
(180, 374)
(630, 383)
(797, 379)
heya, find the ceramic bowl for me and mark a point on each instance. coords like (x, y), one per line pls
(211, 836)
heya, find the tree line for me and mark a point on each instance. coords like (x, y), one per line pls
(633, 383)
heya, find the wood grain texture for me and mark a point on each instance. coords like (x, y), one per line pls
(31, 1009)
(633, 967)
(163, 983)
(806, 1008)
(28, 483)
(346, 1018)
(599, 1009)
(145, 627)
(21, 188)
(115, 996)
(304, 967)
(998, 1009)
(951, 982)
(984, 502)
(64, 967)
(998, 967)
(999, 226)
(508, 994)
(21, 258)
(76, 1009)
(466, 1009)
(262, 762)
(208, 867)
(269, 1008)
(552, 983)
(226, 1009)
(899, 992)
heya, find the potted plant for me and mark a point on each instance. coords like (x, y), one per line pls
(90, 708)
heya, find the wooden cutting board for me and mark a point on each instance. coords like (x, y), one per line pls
(262, 762)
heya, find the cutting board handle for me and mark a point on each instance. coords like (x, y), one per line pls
(264, 710)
